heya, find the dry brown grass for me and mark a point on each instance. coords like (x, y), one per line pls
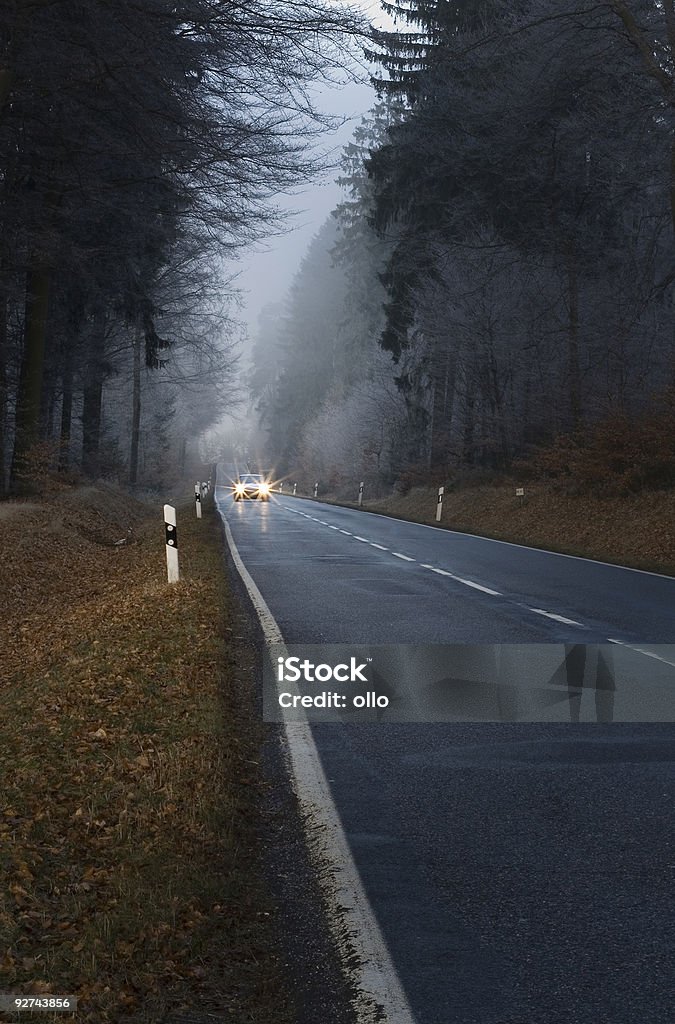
(129, 820)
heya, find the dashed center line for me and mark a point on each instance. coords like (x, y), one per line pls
(557, 618)
(640, 650)
(467, 583)
(459, 579)
(477, 586)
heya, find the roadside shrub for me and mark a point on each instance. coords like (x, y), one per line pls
(620, 455)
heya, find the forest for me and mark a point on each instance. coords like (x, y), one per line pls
(495, 292)
(143, 145)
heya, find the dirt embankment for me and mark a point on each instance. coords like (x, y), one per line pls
(638, 530)
(130, 786)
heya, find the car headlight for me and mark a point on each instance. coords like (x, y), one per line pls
(239, 488)
(264, 488)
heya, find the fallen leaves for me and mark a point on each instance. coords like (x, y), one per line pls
(127, 843)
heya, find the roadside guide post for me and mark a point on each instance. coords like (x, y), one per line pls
(439, 504)
(281, 487)
(171, 537)
(295, 487)
(520, 493)
(198, 501)
(361, 493)
(316, 488)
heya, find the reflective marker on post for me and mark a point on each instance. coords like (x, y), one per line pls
(295, 487)
(439, 504)
(361, 493)
(171, 535)
(198, 500)
(316, 488)
(281, 487)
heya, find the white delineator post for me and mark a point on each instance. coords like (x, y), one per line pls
(281, 487)
(171, 536)
(361, 493)
(316, 488)
(295, 487)
(198, 501)
(439, 504)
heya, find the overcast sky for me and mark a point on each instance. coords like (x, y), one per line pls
(266, 276)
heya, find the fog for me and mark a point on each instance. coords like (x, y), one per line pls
(266, 274)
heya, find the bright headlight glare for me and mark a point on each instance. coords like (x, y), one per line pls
(264, 488)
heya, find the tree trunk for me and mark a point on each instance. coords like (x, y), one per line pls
(573, 369)
(91, 419)
(3, 386)
(66, 410)
(469, 408)
(443, 395)
(135, 411)
(93, 401)
(32, 367)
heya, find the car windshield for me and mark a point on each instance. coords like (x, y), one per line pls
(250, 478)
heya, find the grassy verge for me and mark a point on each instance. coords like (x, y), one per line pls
(129, 782)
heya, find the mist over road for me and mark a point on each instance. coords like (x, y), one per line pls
(520, 873)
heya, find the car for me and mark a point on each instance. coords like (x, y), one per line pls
(251, 485)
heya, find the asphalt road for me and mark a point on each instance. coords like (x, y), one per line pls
(520, 873)
(336, 575)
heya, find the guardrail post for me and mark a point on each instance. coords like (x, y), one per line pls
(171, 538)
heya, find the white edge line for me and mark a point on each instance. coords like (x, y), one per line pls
(380, 546)
(406, 558)
(347, 533)
(363, 539)
(377, 975)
